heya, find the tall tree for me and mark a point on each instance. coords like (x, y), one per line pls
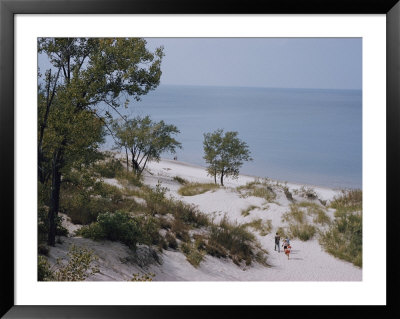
(85, 72)
(224, 154)
(145, 139)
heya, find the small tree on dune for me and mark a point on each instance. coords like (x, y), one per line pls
(145, 139)
(224, 154)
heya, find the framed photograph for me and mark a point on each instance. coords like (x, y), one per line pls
(176, 159)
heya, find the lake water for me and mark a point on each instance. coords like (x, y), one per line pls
(309, 136)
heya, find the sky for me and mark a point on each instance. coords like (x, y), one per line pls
(313, 63)
(329, 63)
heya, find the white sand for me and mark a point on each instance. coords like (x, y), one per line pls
(308, 262)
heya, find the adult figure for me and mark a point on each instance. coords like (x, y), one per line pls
(277, 242)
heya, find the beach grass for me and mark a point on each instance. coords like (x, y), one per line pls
(192, 189)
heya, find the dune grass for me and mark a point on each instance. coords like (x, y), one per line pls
(246, 212)
(192, 189)
(344, 237)
(258, 188)
(264, 228)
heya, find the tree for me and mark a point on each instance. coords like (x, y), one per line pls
(146, 140)
(84, 73)
(224, 154)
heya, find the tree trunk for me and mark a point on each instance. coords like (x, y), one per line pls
(135, 166)
(54, 198)
(127, 160)
(222, 178)
(215, 178)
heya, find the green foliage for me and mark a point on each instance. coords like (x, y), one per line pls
(145, 140)
(349, 201)
(84, 73)
(224, 153)
(109, 168)
(120, 226)
(43, 224)
(192, 189)
(344, 238)
(155, 198)
(78, 267)
(44, 269)
(143, 277)
(227, 239)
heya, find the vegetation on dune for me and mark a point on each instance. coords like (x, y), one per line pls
(84, 72)
(224, 154)
(79, 265)
(258, 188)
(344, 237)
(191, 189)
(246, 212)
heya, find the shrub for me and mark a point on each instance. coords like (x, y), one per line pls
(129, 178)
(233, 239)
(109, 168)
(44, 269)
(288, 194)
(191, 189)
(143, 277)
(155, 199)
(43, 249)
(119, 226)
(187, 213)
(78, 267)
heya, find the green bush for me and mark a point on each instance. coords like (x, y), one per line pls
(109, 168)
(78, 267)
(44, 269)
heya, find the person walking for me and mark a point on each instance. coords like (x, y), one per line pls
(277, 242)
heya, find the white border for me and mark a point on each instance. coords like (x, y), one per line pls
(372, 290)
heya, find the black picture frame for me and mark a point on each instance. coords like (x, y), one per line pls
(9, 8)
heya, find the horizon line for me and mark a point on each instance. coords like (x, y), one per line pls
(263, 87)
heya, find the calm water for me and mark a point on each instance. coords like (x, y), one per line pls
(297, 135)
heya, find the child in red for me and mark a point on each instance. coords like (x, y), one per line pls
(286, 248)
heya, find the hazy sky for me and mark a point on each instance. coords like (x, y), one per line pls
(334, 63)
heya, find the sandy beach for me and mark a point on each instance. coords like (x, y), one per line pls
(308, 261)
